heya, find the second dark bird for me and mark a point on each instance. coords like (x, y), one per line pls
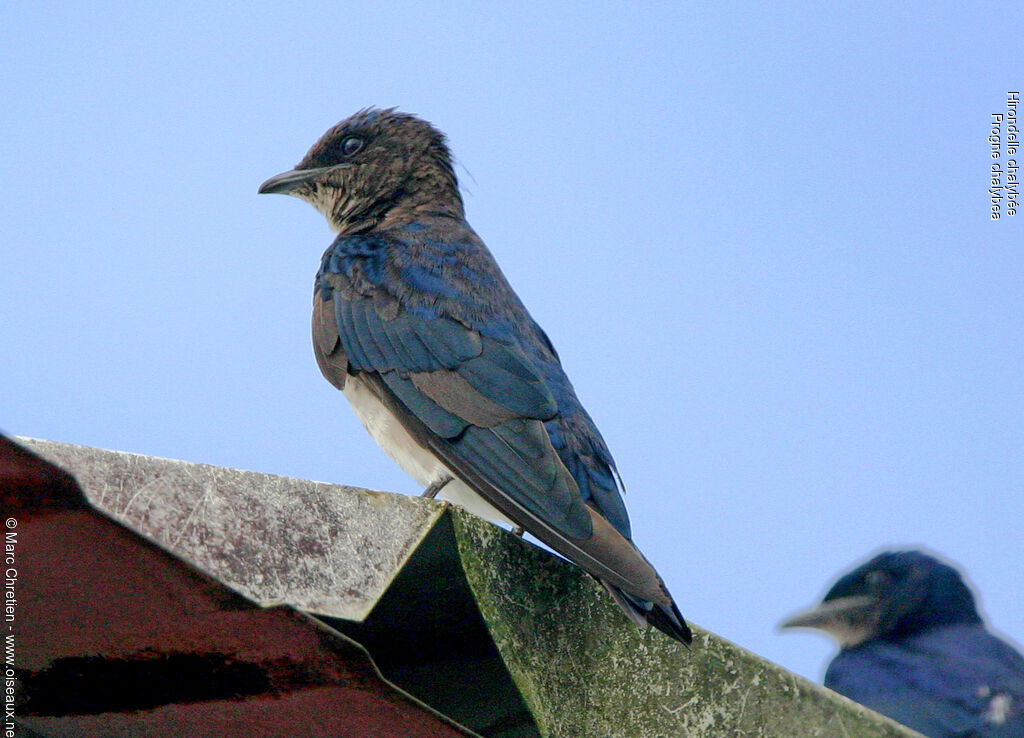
(416, 324)
(913, 647)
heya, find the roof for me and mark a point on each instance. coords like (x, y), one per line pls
(402, 608)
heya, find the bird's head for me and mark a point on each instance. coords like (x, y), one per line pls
(895, 594)
(375, 166)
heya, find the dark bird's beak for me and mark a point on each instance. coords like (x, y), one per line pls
(831, 613)
(286, 182)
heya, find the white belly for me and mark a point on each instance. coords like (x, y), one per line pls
(413, 459)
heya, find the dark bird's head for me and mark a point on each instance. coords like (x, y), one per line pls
(894, 595)
(375, 166)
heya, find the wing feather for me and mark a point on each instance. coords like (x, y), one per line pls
(488, 413)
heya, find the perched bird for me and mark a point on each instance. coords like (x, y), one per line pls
(913, 647)
(416, 324)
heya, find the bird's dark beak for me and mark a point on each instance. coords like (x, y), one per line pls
(832, 612)
(286, 182)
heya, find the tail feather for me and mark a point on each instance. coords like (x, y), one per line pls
(666, 619)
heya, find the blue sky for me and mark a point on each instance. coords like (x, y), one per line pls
(759, 238)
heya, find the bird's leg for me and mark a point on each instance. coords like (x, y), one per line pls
(435, 487)
(517, 530)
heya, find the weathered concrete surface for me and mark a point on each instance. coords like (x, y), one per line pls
(320, 547)
(582, 668)
(587, 672)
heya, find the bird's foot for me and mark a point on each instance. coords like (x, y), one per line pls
(431, 491)
(517, 530)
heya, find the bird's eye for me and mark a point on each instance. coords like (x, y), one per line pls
(876, 579)
(351, 145)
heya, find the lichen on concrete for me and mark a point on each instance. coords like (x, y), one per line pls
(585, 670)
